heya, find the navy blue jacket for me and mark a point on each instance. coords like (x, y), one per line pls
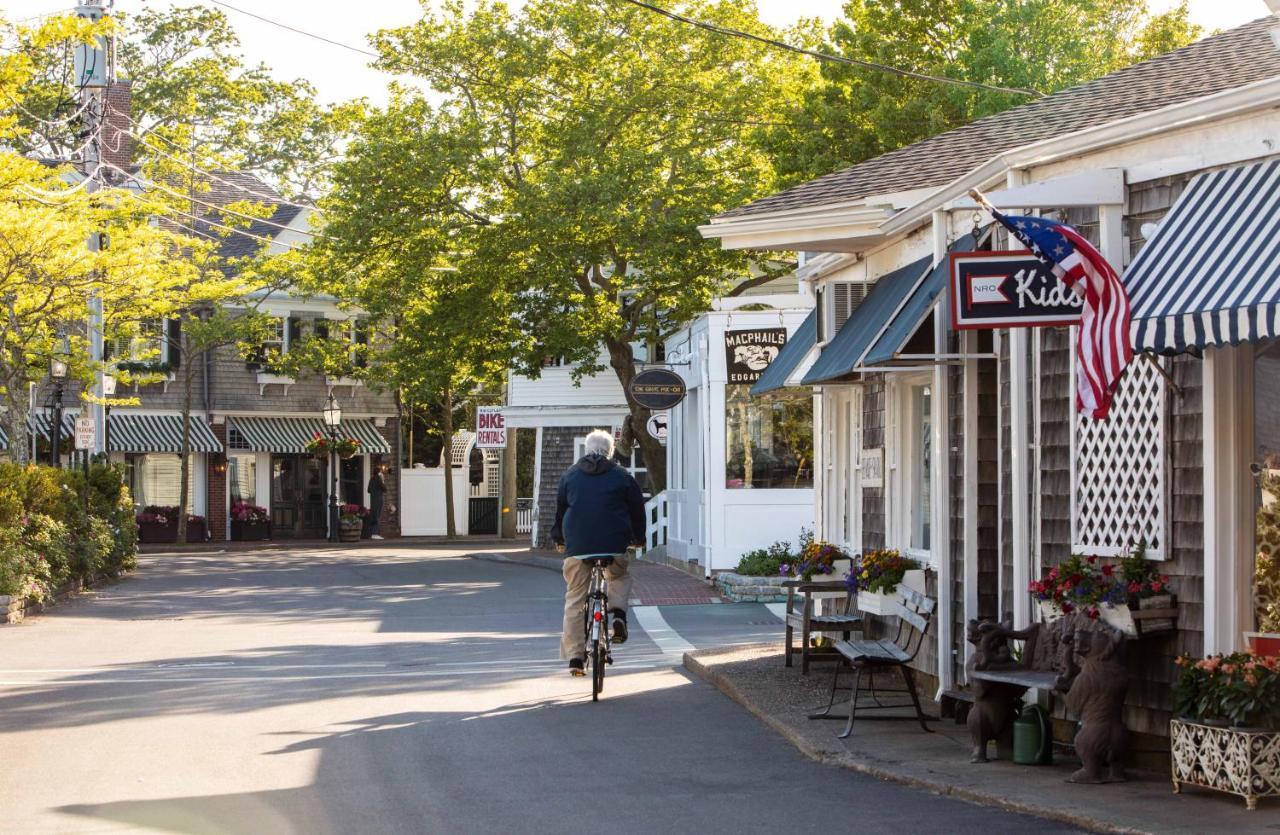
(599, 508)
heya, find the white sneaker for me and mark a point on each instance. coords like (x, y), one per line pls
(375, 536)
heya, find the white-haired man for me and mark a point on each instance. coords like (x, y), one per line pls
(599, 510)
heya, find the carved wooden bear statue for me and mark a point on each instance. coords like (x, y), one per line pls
(993, 703)
(1096, 699)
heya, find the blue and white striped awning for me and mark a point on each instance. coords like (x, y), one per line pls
(157, 433)
(282, 434)
(1211, 274)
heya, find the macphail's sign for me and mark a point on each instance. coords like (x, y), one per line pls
(1008, 290)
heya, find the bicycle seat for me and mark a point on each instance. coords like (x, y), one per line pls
(596, 559)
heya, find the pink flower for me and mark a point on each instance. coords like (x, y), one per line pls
(1067, 608)
(1157, 585)
(1135, 587)
(1092, 560)
(1107, 570)
(1093, 612)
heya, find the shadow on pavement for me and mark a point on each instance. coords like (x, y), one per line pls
(651, 760)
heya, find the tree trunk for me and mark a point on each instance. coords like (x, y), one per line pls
(15, 422)
(622, 360)
(184, 470)
(446, 462)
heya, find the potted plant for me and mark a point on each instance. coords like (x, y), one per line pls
(1226, 730)
(157, 523)
(250, 523)
(1131, 596)
(876, 577)
(322, 447)
(351, 522)
(197, 528)
(815, 558)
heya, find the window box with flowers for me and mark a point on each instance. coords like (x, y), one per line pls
(351, 522)
(249, 522)
(1226, 734)
(322, 447)
(1131, 596)
(160, 524)
(816, 558)
(876, 576)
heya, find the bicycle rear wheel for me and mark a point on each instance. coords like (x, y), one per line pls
(597, 669)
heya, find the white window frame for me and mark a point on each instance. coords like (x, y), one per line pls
(901, 475)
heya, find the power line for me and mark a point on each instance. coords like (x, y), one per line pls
(214, 206)
(297, 31)
(825, 56)
(199, 219)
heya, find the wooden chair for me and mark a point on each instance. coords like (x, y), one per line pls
(846, 622)
(915, 612)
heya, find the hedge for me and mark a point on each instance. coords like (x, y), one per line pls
(55, 527)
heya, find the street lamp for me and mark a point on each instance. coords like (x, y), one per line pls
(108, 391)
(58, 365)
(332, 420)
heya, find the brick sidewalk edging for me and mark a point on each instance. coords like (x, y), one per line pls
(16, 609)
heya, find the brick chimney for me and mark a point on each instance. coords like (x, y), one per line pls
(117, 144)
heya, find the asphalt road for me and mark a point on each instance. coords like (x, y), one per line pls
(396, 690)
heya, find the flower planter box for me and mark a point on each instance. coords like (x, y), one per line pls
(250, 531)
(1240, 761)
(875, 603)
(1154, 615)
(152, 532)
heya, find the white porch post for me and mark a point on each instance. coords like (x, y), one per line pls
(940, 524)
(1228, 497)
(1019, 452)
(970, 348)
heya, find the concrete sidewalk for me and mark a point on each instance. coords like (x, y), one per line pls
(899, 751)
(654, 584)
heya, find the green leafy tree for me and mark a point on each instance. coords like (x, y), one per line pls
(1038, 45)
(187, 73)
(568, 156)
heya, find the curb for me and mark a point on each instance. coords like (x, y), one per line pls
(715, 679)
(548, 563)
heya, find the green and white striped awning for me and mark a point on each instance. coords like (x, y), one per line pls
(281, 434)
(157, 433)
(41, 424)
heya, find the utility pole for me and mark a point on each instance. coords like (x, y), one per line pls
(95, 70)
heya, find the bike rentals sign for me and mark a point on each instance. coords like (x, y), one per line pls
(1008, 290)
(491, 428)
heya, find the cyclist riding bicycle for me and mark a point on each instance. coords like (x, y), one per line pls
(599, 510)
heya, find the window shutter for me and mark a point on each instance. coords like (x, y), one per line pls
(295, 333)
(820, 312)
(322, 328)
(361, 336)
(846, 296)
(174, 343)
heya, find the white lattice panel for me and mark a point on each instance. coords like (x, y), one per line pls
(1121, 471)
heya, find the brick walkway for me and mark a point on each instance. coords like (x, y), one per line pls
(654, 585)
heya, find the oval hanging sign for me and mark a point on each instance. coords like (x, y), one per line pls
(657, 389)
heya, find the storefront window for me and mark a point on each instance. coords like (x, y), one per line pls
(155, 478)
(920, 465)
(1266, 470)
(242, 478)
(768, 440)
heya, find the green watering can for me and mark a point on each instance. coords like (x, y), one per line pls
(1033, 737)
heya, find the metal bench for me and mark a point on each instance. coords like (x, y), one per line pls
(915, 612)
(803, 618)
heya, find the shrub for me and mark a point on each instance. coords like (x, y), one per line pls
(765, 562)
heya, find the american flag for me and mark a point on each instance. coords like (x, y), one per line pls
(1104, 349)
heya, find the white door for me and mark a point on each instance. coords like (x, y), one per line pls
(853, 459)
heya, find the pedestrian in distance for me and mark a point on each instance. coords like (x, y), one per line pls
(599, 510)
(377, 497)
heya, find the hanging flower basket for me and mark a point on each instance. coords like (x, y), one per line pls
(322, 447)
(1131, 596)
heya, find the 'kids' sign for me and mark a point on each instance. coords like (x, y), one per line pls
(1008, 290)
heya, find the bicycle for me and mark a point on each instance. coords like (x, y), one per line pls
(596, 620)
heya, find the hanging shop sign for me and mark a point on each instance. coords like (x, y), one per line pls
(491, 428)
(657, 388)
(656, 426)
(748, 353)
(1008, 290)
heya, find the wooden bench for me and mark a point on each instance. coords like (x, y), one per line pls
(803, 618)
(915, 612)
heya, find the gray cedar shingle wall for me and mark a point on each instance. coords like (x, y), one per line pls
(235, 389)
(557, 456)
(988, 491)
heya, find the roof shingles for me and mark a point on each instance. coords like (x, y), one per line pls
(1215, 64)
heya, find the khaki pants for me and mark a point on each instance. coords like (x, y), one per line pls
(577, 582)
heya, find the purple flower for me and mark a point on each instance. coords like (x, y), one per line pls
(784, 569)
